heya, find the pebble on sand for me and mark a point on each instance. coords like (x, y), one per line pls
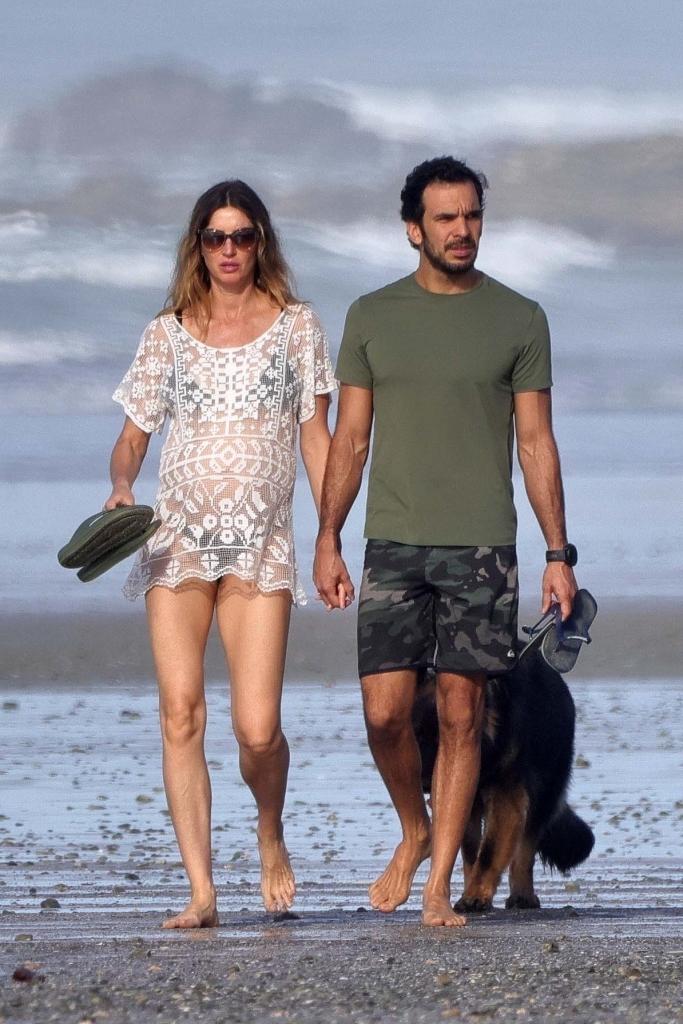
(22, 973)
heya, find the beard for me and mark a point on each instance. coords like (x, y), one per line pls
(439, 263)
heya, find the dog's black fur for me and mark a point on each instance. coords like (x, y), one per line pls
(520, 807)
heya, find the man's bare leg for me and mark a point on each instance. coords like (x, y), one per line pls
(388, 701)
(254, 628)
(460, 708)
(179, 622)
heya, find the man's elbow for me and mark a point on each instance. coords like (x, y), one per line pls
(360, 447)
(536, 448)
(349, 443)
(527, 452)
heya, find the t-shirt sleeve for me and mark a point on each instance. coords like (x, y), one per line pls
(352, 362)
(146, 390)
(315, 367)
(532, 369)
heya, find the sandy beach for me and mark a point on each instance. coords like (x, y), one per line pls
(84, 824)
(633, 638)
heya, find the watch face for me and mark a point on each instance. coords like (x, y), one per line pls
(571, 555)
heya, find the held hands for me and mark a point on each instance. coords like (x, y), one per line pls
(559, 584)
(120, 495)
(330, 575)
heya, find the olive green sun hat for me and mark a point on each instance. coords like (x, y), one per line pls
(106, 538)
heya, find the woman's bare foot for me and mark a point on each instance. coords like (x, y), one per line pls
(438, 912)
(278, 887)
(392, 888)
(199, 913)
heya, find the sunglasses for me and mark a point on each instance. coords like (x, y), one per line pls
(213, 240)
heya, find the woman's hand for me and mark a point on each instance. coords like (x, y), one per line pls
(120, 495)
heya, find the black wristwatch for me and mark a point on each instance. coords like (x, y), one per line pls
(568, 554)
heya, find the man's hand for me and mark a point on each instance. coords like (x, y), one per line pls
(330, 575)
(559, 585)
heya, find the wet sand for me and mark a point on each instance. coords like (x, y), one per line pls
(613, 966)
(84, 823)
(632, 639)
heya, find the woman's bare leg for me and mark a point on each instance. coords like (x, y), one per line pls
(254, 628)
(179, 622)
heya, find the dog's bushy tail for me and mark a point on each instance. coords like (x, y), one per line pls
(567, 841)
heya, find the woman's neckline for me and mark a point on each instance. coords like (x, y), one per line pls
(229, 348)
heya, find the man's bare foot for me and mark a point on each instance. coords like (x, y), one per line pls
(438, 912)
(278, 887)
(392, 888)
(199, 913)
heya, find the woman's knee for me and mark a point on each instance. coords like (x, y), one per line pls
(259, 742)
(182, 722)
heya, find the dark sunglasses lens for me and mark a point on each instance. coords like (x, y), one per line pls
(244, 238)
(212, 240)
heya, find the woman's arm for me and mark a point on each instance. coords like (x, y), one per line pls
(314, 440)
(126, 460)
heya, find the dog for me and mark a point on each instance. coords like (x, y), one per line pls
(520, 807)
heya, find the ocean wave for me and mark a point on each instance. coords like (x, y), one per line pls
(22, 224)
(514, 113)
(46, 348)
(523, 253)
(110, 257)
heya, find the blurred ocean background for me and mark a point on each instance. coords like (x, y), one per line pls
(114, 120)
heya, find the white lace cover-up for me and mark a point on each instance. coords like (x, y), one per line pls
(228, 464)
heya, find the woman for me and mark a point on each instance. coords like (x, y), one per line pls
(237, 363)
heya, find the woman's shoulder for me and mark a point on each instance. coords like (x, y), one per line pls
(158, 332)
(304, 316)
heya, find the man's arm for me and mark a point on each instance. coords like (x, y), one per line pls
(343, 475)
(540, 463)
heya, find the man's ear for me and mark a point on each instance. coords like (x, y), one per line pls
(414, 233)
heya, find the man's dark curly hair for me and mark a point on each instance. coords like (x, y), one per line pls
(444, 169)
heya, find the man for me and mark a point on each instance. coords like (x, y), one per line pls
(447, 360)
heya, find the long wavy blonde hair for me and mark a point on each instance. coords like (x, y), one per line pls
(190, 285)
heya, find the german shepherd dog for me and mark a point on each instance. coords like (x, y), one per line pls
(520, 808)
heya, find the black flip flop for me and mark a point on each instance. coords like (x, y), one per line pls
(539, 631)
(560, 646)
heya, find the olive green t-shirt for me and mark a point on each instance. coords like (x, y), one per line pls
(443, 370)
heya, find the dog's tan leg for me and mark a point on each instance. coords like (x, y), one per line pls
(471, 843)
(505, 817)
(522, 895)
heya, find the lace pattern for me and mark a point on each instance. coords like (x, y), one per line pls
(228, 464)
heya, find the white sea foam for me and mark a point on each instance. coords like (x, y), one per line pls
(115, 258)
(527, 254)
(22, 224)
(516, 113)
(524, 254)
(45, 348)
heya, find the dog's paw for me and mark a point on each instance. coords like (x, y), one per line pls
(473, 905)
(523, 902)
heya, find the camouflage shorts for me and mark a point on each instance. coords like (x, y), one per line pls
(451, 607)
